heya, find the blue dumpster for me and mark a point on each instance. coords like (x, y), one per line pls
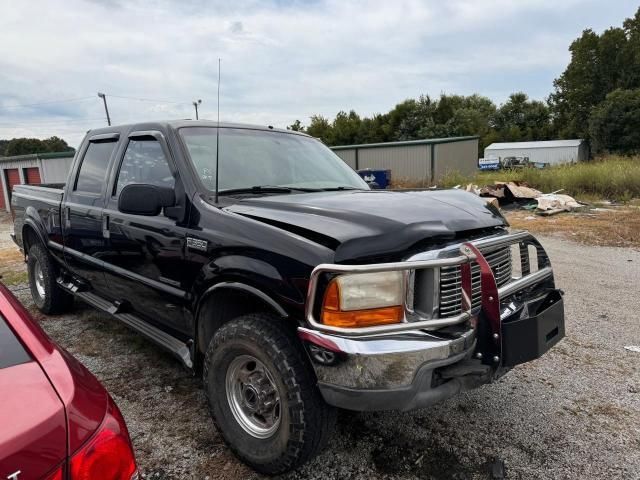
(381, 177)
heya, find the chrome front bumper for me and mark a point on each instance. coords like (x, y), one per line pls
(391, 372)
(417, 363)
(389, 361)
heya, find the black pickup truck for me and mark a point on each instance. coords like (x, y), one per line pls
(262, 261)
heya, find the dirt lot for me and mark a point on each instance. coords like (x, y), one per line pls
(573, 414)
(601, 225)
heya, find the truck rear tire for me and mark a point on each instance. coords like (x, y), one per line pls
(262, 394)
(46, 294)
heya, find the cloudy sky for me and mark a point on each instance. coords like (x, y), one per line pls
(281, 60)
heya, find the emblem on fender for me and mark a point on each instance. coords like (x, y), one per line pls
(197, 244)
(14, 475)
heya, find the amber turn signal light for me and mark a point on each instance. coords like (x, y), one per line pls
(333, 315)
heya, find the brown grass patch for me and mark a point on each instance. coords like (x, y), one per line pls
(619, 227)
(12, 267)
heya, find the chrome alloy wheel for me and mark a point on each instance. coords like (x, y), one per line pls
(253, 396)
(39, 279)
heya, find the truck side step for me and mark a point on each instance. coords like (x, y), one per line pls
(72, 285)
(163, 339)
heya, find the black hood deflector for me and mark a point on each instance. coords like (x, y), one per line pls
(364, 224)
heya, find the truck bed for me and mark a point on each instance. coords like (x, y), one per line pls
(43, 202)
(45, 191)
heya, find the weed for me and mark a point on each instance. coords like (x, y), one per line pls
(612, 177)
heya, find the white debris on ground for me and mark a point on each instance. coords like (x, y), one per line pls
(552, 203)
(501, 193)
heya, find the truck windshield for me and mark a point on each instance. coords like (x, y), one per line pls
(250, 159)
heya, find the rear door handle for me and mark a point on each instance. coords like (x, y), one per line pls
(67, 217)
(105, 226)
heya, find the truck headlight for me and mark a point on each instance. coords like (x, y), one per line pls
(364, 300)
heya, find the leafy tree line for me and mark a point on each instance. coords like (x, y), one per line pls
(25, 146)
(597, 98)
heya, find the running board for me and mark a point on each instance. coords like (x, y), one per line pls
(72, 285)
(163, 339)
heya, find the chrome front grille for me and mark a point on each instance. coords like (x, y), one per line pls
(450, 291)
(450, 299)
(500, 262)
(475, 285)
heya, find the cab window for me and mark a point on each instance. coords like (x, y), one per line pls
(93, 169)
(144, 162)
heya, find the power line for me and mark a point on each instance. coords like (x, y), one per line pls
(148, 99)
(80, 99)
(52, 123)
(26, 105)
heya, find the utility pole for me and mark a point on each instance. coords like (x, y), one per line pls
(195, 104)
(104, 99)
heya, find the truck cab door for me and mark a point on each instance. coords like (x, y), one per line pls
(82, 220)
(144, 264)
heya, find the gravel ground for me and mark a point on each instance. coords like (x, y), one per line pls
(573, 414)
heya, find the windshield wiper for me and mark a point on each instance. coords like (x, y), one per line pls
(266, 189)
(332, 189)
(281, 189)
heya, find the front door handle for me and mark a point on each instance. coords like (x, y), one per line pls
(105, 226)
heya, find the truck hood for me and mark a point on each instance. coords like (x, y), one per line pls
(359, 224)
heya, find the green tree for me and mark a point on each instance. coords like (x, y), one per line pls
(296, 126)
(404, 121)
(345, 129)
(320, 127)
(599, 65)
(521, 119)
(56, 144)
(374, 129)
(631, 26)
(25, 146)
(576, 90)
(614, 125)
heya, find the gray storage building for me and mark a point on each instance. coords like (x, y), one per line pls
(551, 152)
(33, 170)
(415, 162)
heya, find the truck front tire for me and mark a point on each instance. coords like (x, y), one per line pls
(46, 294)
(262, 394)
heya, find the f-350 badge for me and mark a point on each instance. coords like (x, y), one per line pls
(197, 244)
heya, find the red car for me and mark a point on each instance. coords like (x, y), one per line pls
(57, 422)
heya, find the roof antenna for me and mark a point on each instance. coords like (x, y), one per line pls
(218, 135)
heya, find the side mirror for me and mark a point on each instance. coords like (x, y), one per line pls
(144, 199)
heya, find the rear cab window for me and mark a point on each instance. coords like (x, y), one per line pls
(11, 350)
(92, 173)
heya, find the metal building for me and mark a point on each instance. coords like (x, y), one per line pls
(552, 152)
(32, 169)
(415, 162)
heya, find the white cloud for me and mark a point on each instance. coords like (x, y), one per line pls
(280, 60)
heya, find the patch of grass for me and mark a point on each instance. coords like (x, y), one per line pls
(612, 177)
(12, 278)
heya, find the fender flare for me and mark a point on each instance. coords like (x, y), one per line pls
(31, 223)
(230, 285)
(243, 287)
